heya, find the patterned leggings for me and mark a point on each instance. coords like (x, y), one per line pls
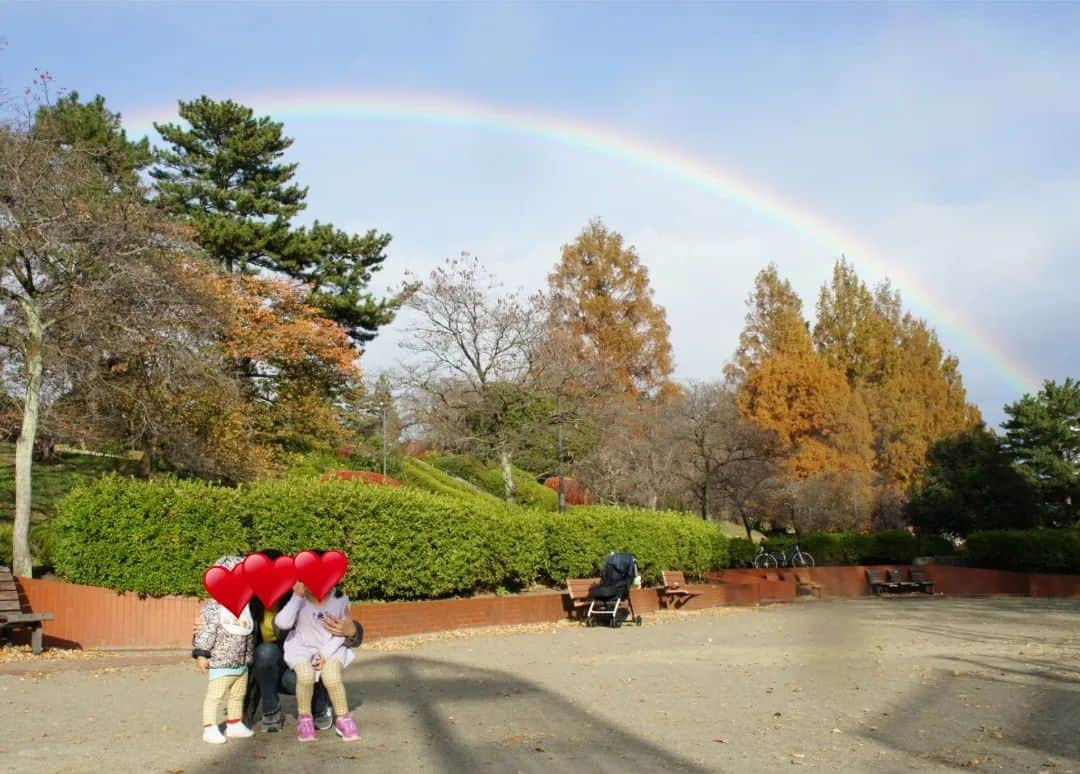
(332, 679)
(233, 685)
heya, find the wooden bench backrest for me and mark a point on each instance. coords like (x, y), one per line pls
(9, 593)
(895, 576)
(579, 587)
(875, 576)
(673, 577)
(918, 575)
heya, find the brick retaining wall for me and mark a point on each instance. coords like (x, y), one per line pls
(90, 617)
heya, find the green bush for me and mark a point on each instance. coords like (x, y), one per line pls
(458, 465)
(148, 537)
(1028, 550)
(847, 548)
(742, 551)
(579, 541)
(419, 474)
(402, 543)
(527, 492)
(42, 538)
(6, 531)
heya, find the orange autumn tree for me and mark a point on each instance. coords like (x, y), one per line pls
(786, 387)
(912, 389)
(298, 367)
(602, 299)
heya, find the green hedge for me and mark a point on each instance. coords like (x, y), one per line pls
(579, 540)
(1028, 550)
(421, 475)
(42, 540)
(150, 537)
(847, 548)
(402, 543)
(527, 491)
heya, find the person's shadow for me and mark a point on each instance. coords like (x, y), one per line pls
(462, 719)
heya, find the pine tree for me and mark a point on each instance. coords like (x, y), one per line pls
(602, 297)
(225, 174)
(1042, 434)
(96, 130)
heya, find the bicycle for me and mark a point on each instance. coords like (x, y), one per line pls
(763, 558)
(800, 558)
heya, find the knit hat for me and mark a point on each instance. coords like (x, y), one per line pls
(230, 561)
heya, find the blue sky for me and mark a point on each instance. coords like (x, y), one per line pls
(944, 135)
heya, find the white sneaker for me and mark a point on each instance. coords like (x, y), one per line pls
(213, 735)
(238, 730)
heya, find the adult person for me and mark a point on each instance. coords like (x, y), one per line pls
(271, 677)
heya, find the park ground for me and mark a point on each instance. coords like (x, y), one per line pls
(874, 685)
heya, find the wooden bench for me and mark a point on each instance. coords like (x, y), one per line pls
(805, 586)
(675, 590)
(578, 588)
(11, 614)
(920, 581)
(877, 582)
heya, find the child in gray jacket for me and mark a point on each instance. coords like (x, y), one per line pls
(223, 647)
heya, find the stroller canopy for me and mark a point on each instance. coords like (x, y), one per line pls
(618, 574)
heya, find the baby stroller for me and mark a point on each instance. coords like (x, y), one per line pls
(612, 596)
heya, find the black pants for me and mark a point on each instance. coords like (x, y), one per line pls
(270, 676)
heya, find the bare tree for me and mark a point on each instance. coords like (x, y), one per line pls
(475, 368)
(727, 461)
(71, 245)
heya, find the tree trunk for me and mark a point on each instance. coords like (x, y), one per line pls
(24, 446)
(146, 460)
(508, 475)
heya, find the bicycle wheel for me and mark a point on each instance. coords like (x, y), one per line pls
(802, 559)
(769, 561)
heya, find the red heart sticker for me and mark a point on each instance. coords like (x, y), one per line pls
(269, 579)
(229, 587)
(321, 573)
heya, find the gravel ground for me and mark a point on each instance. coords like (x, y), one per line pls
(882, 685)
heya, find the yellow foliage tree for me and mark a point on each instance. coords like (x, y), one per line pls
(601, 296)
(912, 389)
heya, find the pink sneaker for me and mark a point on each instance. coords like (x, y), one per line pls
(346, 729)
(305, 728)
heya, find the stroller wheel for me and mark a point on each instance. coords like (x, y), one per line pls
(589, 622)
(637, 621)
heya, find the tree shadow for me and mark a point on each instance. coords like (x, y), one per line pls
(461, 719)
(1007, 713)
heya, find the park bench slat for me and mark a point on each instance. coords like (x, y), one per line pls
(11, 611)
(675, 587)
(578, 589)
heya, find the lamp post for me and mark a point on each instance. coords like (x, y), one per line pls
(559, 451)
(382, 409)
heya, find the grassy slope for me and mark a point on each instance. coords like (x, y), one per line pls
(52, 481)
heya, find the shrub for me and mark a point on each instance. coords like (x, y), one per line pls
(419, 474)
(1030, 550)
(457, 465)
(41, 544)
(527, 492)
(6, 532)
(147, 537)
(579, 541)
(846, 548)
(402, 543)
(742, 551)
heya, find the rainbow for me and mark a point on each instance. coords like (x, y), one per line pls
(336, 106)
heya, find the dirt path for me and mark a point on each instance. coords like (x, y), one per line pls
(868, 685)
